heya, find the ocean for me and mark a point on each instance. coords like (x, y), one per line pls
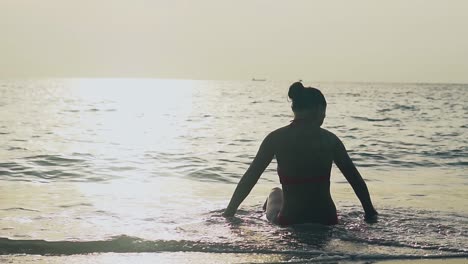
(141, 169)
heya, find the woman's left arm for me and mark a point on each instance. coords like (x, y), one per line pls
(263, 158)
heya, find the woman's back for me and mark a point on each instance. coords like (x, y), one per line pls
(304, 151)
(305, 155)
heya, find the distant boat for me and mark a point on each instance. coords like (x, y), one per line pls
(258, 80)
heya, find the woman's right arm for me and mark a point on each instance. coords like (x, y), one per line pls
(352, 175)
(257, 167)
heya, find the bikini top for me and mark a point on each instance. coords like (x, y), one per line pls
(285, 180)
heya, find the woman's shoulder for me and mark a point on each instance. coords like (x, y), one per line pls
(276, 135)
(279, 131)
(327, 133)
(286, 129)
(329, 136)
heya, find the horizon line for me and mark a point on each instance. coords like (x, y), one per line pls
(266, 80)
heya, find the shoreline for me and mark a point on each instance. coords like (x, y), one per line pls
(199, 257)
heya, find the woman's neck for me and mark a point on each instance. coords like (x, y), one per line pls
(306, 118)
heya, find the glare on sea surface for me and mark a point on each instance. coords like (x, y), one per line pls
(116, 133)
(131, 119)
(134, 112)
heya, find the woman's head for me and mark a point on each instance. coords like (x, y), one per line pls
(307, 101)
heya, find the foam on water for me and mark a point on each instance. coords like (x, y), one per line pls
(398, 234)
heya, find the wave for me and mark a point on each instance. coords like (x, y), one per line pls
(368, 119)
(51, 168)
(118, 244)
(399, 233)
(127, 244)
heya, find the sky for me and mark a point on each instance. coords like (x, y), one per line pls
(319, 40)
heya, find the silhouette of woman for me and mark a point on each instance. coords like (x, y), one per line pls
(304, 153)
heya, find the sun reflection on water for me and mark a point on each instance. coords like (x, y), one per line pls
(142, 113)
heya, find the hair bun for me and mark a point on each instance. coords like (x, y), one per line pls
(295, 90)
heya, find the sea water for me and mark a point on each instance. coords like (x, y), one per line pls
(146, 165)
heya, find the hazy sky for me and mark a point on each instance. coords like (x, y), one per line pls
(322, 40)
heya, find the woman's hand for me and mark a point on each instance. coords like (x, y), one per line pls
(371, 216)
(229, 212)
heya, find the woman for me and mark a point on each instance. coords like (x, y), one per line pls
(305, 153)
